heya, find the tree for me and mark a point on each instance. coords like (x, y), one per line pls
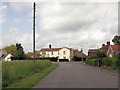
(100, 54)
(37, 53)
(11, 49)
(116, 40)
(20, 53)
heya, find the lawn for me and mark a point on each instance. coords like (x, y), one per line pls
(25, 74)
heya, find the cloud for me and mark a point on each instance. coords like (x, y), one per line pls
(16, 36)
(20, 6)
(3, 9)
(78, 26)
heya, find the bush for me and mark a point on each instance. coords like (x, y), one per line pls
(90, 57)
(16, 70)
(111, 62)
(77, 58)
(107, 61)
(91, 62)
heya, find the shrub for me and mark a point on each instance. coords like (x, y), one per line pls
(91, 62)
(106, 61)
(77, 58)
(111, 62)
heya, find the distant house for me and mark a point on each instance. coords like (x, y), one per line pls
(61, 53)
(113, 49)
(92, 52)
(4, 56)
(80, 53)
(31, 55)
(104, 47)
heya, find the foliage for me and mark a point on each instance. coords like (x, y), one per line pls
(77, 58)
(100, 54)
(117, 54)
(16, 70)
(11, 49)
(91, 62)
(33, 79)
(90, 57)
(74, 51)
(107, 61)
(116, 40)
(37, 53)
(19, 53)
(111, 62)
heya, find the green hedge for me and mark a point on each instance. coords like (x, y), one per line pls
(91, 62)
(111, 62)
(17, 70)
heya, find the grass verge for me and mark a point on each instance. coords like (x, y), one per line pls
(32, 80)
(25, 74)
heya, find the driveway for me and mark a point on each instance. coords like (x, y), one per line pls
(78, 75)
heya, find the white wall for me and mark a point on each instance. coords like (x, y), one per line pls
(62, 55)
(8, 57)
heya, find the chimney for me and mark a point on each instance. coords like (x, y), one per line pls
(81, 50)
(76, 50)
(103, 45)
(108, 42)
(49, 46)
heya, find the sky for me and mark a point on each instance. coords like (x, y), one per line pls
(75, 25)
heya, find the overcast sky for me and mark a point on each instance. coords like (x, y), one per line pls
(75, 25)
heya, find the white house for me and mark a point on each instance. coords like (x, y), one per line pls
(4, 56)
(61, 53)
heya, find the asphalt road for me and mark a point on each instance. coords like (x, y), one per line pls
(78, 75)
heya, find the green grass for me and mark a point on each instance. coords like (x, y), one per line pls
(25, 74)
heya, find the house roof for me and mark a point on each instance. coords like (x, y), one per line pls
(29, 53)
(50, 49)
(105, 48)
(81, 53)
(115, 48)
(93, 50)
(53, 49)
(3, 54)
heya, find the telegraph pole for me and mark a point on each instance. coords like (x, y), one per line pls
(34, 32)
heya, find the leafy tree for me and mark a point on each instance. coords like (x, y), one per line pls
(37, 53)
(74, 51)
(116, 40)
(20, 52)
(100, 54)
(11, 49)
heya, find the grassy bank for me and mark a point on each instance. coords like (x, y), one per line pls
(25, 74)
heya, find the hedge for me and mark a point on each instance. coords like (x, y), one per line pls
(111, 62)
(91, 62)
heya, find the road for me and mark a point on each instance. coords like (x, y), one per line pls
(78, 75)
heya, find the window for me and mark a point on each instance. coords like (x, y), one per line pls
(110, 55)
(64, 57)
(43, 52)
(63, 52)
(51, 53)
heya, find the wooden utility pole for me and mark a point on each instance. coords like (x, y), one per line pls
(34, 32)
